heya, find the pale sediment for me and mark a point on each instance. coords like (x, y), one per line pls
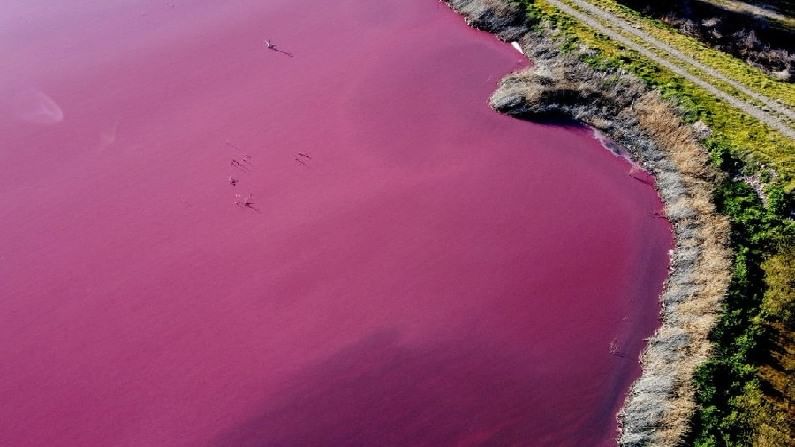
(659, 404)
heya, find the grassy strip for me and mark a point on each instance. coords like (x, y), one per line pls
(737, 405)
(748, 139)
(719, 83)
(752, 77)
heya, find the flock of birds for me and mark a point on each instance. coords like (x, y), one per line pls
(244, 164)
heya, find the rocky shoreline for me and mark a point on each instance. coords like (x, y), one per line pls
(559, 85)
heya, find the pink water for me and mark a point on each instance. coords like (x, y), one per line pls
(434, 275)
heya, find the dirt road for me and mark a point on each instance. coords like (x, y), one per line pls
(772, 113)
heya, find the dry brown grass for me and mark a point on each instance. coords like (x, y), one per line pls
(710, 272)
(773, 412)
(774, 418)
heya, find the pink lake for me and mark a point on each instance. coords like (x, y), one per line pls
(414, 270)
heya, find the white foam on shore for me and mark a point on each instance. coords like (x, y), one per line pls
(618, 151)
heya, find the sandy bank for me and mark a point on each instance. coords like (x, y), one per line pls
(658, 406)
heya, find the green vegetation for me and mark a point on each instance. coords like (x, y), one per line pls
(743, 391)
(729, 388)
(732, 67)
(758, 36)
(748, 139)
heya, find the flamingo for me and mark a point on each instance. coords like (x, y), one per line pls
(249, 202)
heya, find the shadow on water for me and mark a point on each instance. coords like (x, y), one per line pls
(380, 392)
(552, 118)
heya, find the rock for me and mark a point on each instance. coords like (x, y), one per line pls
(702, 130)
(508, 21)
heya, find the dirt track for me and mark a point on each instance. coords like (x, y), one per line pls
(754, 10)
(681, 64)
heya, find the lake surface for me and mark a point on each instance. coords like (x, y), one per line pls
(396, 264)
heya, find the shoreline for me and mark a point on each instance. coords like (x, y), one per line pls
(658, 405)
